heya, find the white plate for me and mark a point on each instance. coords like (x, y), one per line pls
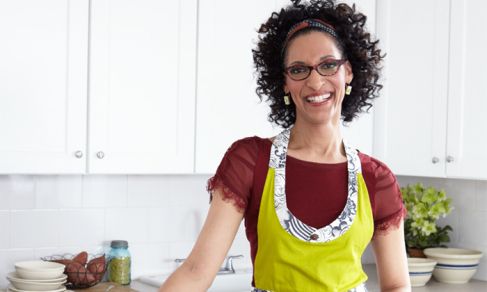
(14, 276)
(13, 289)
(32, 286)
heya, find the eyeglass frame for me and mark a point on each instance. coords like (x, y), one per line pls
(315, 67)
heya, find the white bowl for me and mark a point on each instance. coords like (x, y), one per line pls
(13, 289)
(34, 285)
(455, 265)
(420, 270)
(39, 270)
(14, 276)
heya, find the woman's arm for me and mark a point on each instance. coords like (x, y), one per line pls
(199, 269)
(391, 260)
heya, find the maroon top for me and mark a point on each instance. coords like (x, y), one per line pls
(316, 193)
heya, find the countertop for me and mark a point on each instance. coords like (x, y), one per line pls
(373, 285)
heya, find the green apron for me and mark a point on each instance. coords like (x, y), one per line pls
(292, 256)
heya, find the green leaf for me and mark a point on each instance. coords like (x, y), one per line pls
(425, 206)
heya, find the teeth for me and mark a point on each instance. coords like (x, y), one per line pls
(318, 98)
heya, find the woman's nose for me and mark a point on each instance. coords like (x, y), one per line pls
(315, 80)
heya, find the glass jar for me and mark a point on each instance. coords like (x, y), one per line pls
(119, 262)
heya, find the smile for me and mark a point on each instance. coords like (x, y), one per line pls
(319, 98)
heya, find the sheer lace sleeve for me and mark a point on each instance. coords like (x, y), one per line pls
(388, 207)
(234, 176)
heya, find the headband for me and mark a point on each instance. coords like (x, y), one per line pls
(310, 22)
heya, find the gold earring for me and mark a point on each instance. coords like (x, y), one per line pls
(348, 90)
(287, 101)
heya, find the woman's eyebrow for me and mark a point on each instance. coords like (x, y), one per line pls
(304, 63)
(327, 57)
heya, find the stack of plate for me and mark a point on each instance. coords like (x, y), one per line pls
(37, 276)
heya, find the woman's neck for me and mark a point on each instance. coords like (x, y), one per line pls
(317, 143)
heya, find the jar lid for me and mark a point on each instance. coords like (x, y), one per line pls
(119, 244)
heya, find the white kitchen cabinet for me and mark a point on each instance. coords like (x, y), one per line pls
(429, 120)
(142, 86)
(359, 133)
(43, 73)
(227, 105)
(139, 113)
(467, 93)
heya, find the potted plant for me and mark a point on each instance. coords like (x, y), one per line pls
(425, 206)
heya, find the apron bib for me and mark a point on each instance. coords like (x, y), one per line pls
(293, 256)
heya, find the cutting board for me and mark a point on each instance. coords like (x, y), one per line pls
(108, 287)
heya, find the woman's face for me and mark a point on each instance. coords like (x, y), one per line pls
(318, 98)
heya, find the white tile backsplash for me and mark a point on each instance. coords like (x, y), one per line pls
(4, 229)
(186, 221)
(46, 193)
(80, 227)
(5, 192)
(130, 224)
(159, 225)
(149, 191)
(104, 191)
(473, 229)
(150, 258)
(70, 191)
(160, 216)
(481, 196)
(34, 228)
(22, 191)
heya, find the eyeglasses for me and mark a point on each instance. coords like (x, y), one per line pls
(326, 68)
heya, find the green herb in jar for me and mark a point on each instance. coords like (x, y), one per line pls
(119, 270)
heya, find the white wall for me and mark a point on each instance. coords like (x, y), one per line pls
(160, 216)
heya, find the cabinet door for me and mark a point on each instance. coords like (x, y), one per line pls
(360, 132)
(142, 86)
(410, 116)
(43, 86)
(467, 100)
(228, 107)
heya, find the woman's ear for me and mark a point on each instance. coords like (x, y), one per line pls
(348, 72)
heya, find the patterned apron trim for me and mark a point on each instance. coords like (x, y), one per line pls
(359, 288)
(288, 221)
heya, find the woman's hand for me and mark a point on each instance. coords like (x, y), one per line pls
(199, 269)
(391, 260)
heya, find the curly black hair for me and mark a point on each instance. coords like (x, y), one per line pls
(353, 40)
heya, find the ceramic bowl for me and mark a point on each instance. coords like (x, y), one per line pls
(39, 270)
(455, 265)
(14, 276)
(420, 270)
(13, 289)
(35, 285)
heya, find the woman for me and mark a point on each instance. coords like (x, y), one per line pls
(311, 202)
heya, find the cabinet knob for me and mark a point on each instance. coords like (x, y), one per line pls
(435, 160)
(78, 154)
(100, 154)
(450, 159)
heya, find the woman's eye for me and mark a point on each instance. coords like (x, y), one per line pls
(297, 70)
(328, 65)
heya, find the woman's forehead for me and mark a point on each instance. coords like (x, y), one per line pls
(311, 47)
